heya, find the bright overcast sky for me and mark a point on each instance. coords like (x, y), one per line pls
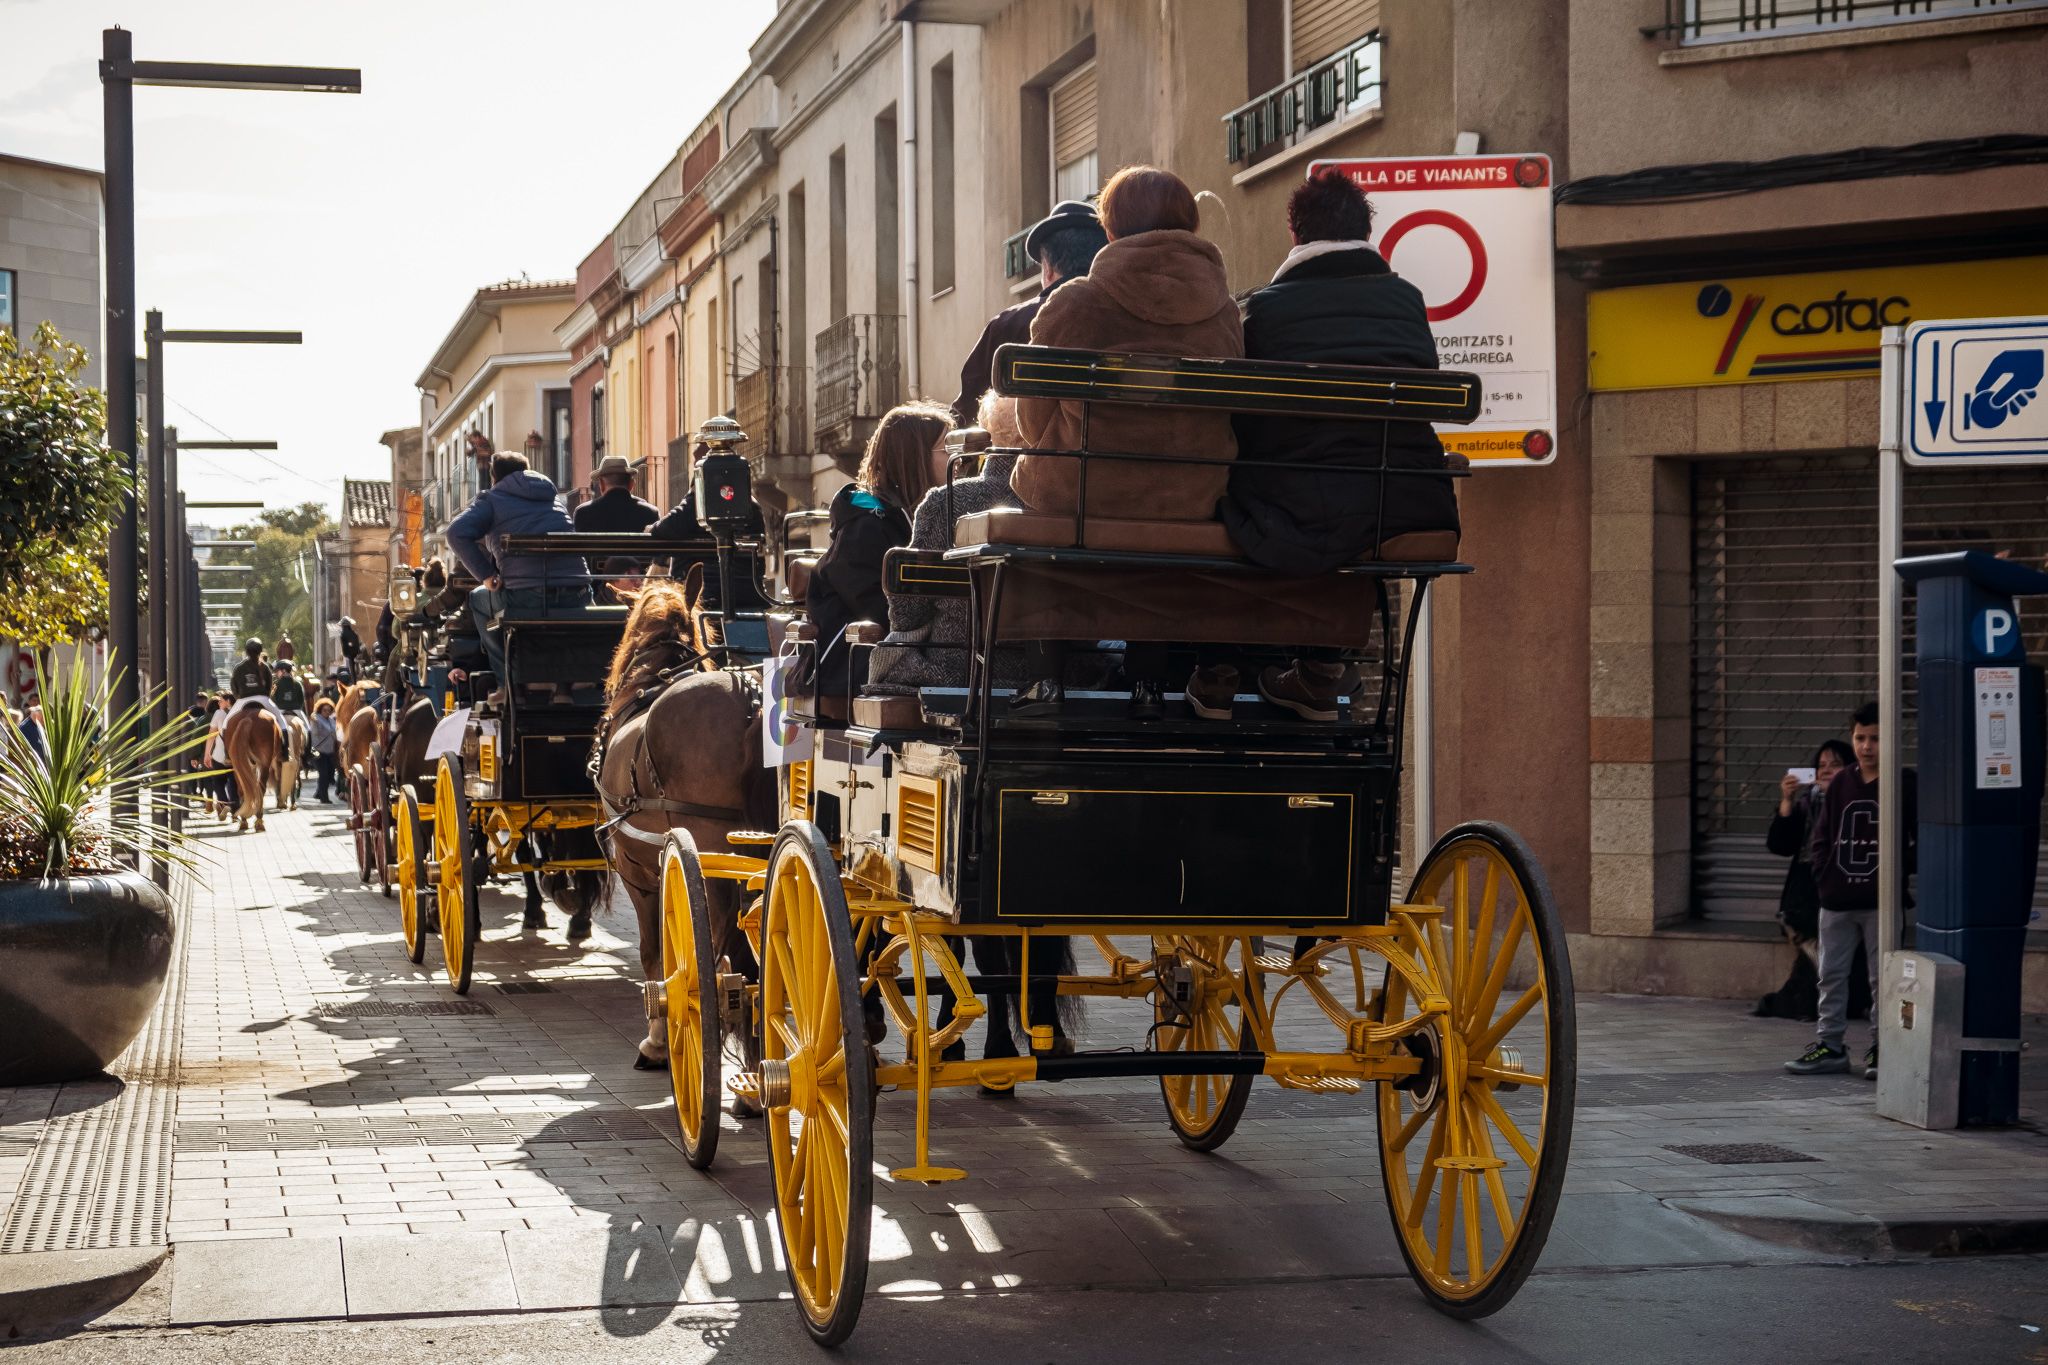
(493, 138)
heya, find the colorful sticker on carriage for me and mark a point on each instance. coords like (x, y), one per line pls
(783, 740)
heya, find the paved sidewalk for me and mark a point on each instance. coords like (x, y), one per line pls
(351, 1139)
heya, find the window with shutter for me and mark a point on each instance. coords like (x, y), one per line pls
(1075, 168)
(1717, 19)
(1320, 29)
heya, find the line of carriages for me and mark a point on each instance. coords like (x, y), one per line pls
(1187, 853)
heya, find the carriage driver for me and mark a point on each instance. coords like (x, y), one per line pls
(518, 502)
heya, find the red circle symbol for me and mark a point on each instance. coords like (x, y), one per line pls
(1466, 233)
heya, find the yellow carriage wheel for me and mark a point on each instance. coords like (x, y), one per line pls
(456, 863)
(1221, 977)
(690, 976)
(1473, 1148)
(409, 845)
(817, 1083)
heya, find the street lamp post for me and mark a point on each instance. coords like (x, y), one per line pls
(162, 446)
(120, 73)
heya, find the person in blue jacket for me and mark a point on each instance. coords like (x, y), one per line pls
(519, 502)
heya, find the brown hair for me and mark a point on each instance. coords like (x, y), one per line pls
(1146, 199)
(897, 466)
(323, 707)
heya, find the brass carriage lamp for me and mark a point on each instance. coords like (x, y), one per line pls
(723, 484)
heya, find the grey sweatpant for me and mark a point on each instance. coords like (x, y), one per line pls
(1840, 932)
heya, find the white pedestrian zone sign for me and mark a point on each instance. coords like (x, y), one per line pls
(1473, 233)
(1973, 392)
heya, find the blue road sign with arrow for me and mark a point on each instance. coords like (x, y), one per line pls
(1973, 392)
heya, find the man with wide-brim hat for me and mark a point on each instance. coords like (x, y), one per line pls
(615, 508)
(1064, 243)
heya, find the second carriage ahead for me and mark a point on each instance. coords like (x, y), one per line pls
(1221, 869)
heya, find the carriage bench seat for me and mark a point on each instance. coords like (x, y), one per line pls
(582, 613)
(1207, 539)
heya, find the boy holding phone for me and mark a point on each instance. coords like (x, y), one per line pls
(1844, 854)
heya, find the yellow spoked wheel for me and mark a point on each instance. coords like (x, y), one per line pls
(409, 845)
(690, 975)
(1473, 1148)
(1203, 1009)
(817, 1083)
(459, 915)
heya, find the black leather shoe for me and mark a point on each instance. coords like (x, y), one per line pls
(1145, 702)
(1042, 698)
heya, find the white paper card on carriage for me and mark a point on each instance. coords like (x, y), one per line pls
(1998, 728)
(782, 739)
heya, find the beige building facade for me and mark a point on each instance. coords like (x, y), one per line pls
(51, 218)
(500, 371)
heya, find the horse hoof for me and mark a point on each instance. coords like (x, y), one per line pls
(534, 920)
(579, 927)
(643, 1062)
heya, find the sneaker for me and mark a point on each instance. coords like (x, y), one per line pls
(1211, 691)
(1870, 1063)
(1042, 698)
(1818, 1059)
(1311, 698)
(1146, 703)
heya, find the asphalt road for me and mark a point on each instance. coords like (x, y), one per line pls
(1980, 1310)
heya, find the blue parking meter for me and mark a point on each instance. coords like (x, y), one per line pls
(1981, 761)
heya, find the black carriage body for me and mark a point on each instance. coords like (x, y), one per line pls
(543, 746)
(1182, 839)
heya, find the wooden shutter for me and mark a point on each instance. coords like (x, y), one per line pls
(1323, 28)
(1073, 117)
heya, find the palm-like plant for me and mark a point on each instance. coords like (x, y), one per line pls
(81, 811)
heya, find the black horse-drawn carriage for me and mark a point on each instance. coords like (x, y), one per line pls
(1189, 852)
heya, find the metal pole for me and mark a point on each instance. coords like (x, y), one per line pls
(118, 347)
(177, 672)
(1422, 690)
(159, 519)
(1890, 520)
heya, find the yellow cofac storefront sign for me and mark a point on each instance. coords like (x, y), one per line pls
(1824, 325)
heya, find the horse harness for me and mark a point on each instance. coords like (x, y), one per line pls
(622, 808)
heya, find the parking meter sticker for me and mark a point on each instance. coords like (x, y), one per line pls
(1998, 757)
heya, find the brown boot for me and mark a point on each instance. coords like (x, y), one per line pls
(1309, 689)
(1211, 691)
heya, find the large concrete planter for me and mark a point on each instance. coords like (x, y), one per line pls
(82, 963)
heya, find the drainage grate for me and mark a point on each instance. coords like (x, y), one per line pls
(1741, 1153)
(523, 988)
(400, 1009)
(425, 1130)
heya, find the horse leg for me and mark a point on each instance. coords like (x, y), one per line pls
(643, 888)
(536, 916)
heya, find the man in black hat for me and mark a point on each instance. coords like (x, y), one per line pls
(615, 508)
(1064, 243)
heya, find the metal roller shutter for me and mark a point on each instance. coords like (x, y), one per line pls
(1074, 161)
(1323, 28)
(1784, 632)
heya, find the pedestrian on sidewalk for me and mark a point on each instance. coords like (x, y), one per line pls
(1845, 873)
(1790, 836)
(324, 743)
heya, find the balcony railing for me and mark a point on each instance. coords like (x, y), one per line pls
(1017, 262)
(860, 377)
(1333, 89)
(769, 406)
(1695, 21)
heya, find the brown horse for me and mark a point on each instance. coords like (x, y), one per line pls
(691, 742)
(255, 748)
(358, 733)
(288, 769)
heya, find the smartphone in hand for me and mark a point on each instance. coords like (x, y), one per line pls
(1804, 775)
